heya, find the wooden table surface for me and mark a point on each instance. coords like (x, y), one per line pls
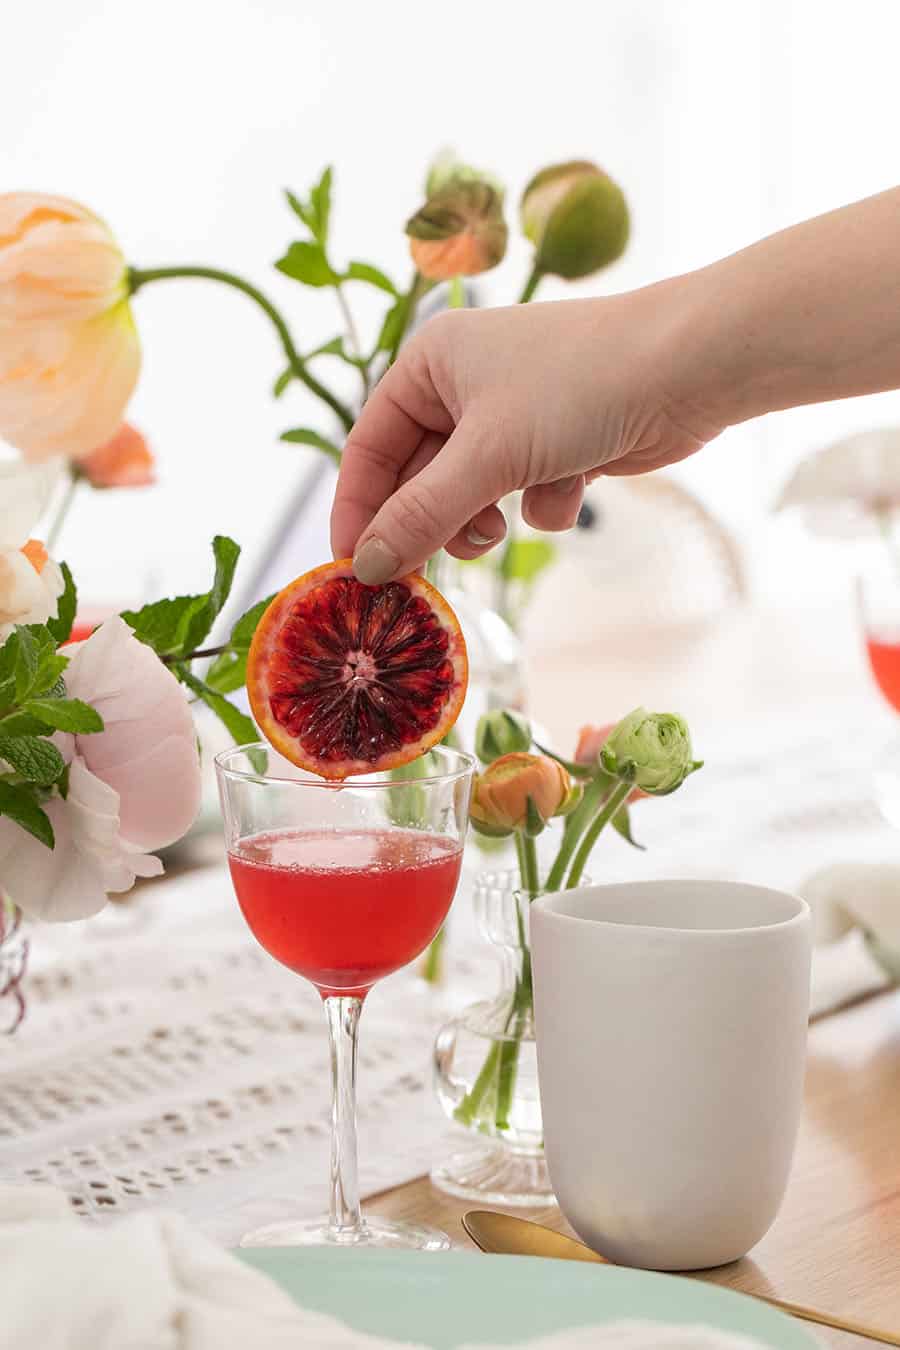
(836, 1244)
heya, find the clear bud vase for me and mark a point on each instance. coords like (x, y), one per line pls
(485, 1067)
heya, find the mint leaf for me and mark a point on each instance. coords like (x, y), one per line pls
(228, 672)
(33, 758)
(303, 210)
(282, 382)
(25, 661)
(305, 261)
(175, 627)
(21, 724)
(65, 714)
(394, 325)
(226, 553)
(320, 201)
(163, 624)
(243, 630)
(18, 803)
(333, 348)
(60, 628)
(304, 436)
(360, 271)
(239, 726)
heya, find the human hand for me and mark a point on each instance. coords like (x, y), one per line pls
(541, 398)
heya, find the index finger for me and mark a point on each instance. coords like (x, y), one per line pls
(403, 409)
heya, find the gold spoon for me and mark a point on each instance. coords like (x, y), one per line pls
(503, 1233)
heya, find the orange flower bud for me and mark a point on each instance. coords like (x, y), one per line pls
(125, 460)
(500, 795)
(460, 231)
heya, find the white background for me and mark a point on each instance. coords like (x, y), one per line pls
(181, 122)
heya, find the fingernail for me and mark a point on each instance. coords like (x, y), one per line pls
(375, 563)
(477, 539)
(564, 486)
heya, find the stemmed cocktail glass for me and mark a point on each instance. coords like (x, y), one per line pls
(344, 883)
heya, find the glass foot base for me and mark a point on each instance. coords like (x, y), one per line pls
(495, 1176)
(373, 1233)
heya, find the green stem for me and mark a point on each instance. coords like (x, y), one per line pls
(433, 965)
(456, 294)
(138, 277)
(353, 337)
(526, 852)
(501, 597)
(614, 801)
(531, 285)
(575, 826)
(419, 286)
(195, 655)
(470, 1106)
(64, 507)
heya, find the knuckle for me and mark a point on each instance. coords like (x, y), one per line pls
(417, 514)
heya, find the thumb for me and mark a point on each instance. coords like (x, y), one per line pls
(428, 510)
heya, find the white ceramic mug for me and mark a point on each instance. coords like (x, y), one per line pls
(671, 1034)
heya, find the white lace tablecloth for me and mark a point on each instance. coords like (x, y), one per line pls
(166, 1059)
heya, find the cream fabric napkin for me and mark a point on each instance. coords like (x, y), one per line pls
(151, 1282)
(848, 900)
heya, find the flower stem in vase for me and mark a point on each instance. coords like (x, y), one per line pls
(614, 801)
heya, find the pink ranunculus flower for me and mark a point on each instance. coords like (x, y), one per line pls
(30, 583)
(69, 352)
(591, 741)
(133, 787)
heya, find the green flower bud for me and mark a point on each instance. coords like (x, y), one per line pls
(576, 217)
(651, 750)
(501, 733)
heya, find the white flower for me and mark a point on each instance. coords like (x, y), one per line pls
(134, 786)
(843, 487)
(30, 583)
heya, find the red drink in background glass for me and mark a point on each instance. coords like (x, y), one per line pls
(344, 908)
(884, 658)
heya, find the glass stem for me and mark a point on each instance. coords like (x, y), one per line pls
(343, 1028)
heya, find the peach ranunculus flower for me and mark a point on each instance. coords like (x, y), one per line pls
(125, 460)
(133, 787)
(501, 792)
(460, 231)
(30, 583)
(69, 351)
(591, 741)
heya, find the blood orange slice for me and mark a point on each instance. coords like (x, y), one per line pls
(345, 678)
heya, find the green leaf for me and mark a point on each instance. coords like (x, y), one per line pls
(175, 627)
(394, 325)
(243, 630)
(333, 348)
(18, 803)
(26, 661)
(306, 261)
(282, 382)
(32, 757)
(226, 553)
(360, 271)
(163, 624)
(228, 672)
(320, 201)
(303, 210)
(60, 628)
(304, 436)
(21, 724)
(65, 714)
(621, 823)
(239, 726)
(525, 559)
